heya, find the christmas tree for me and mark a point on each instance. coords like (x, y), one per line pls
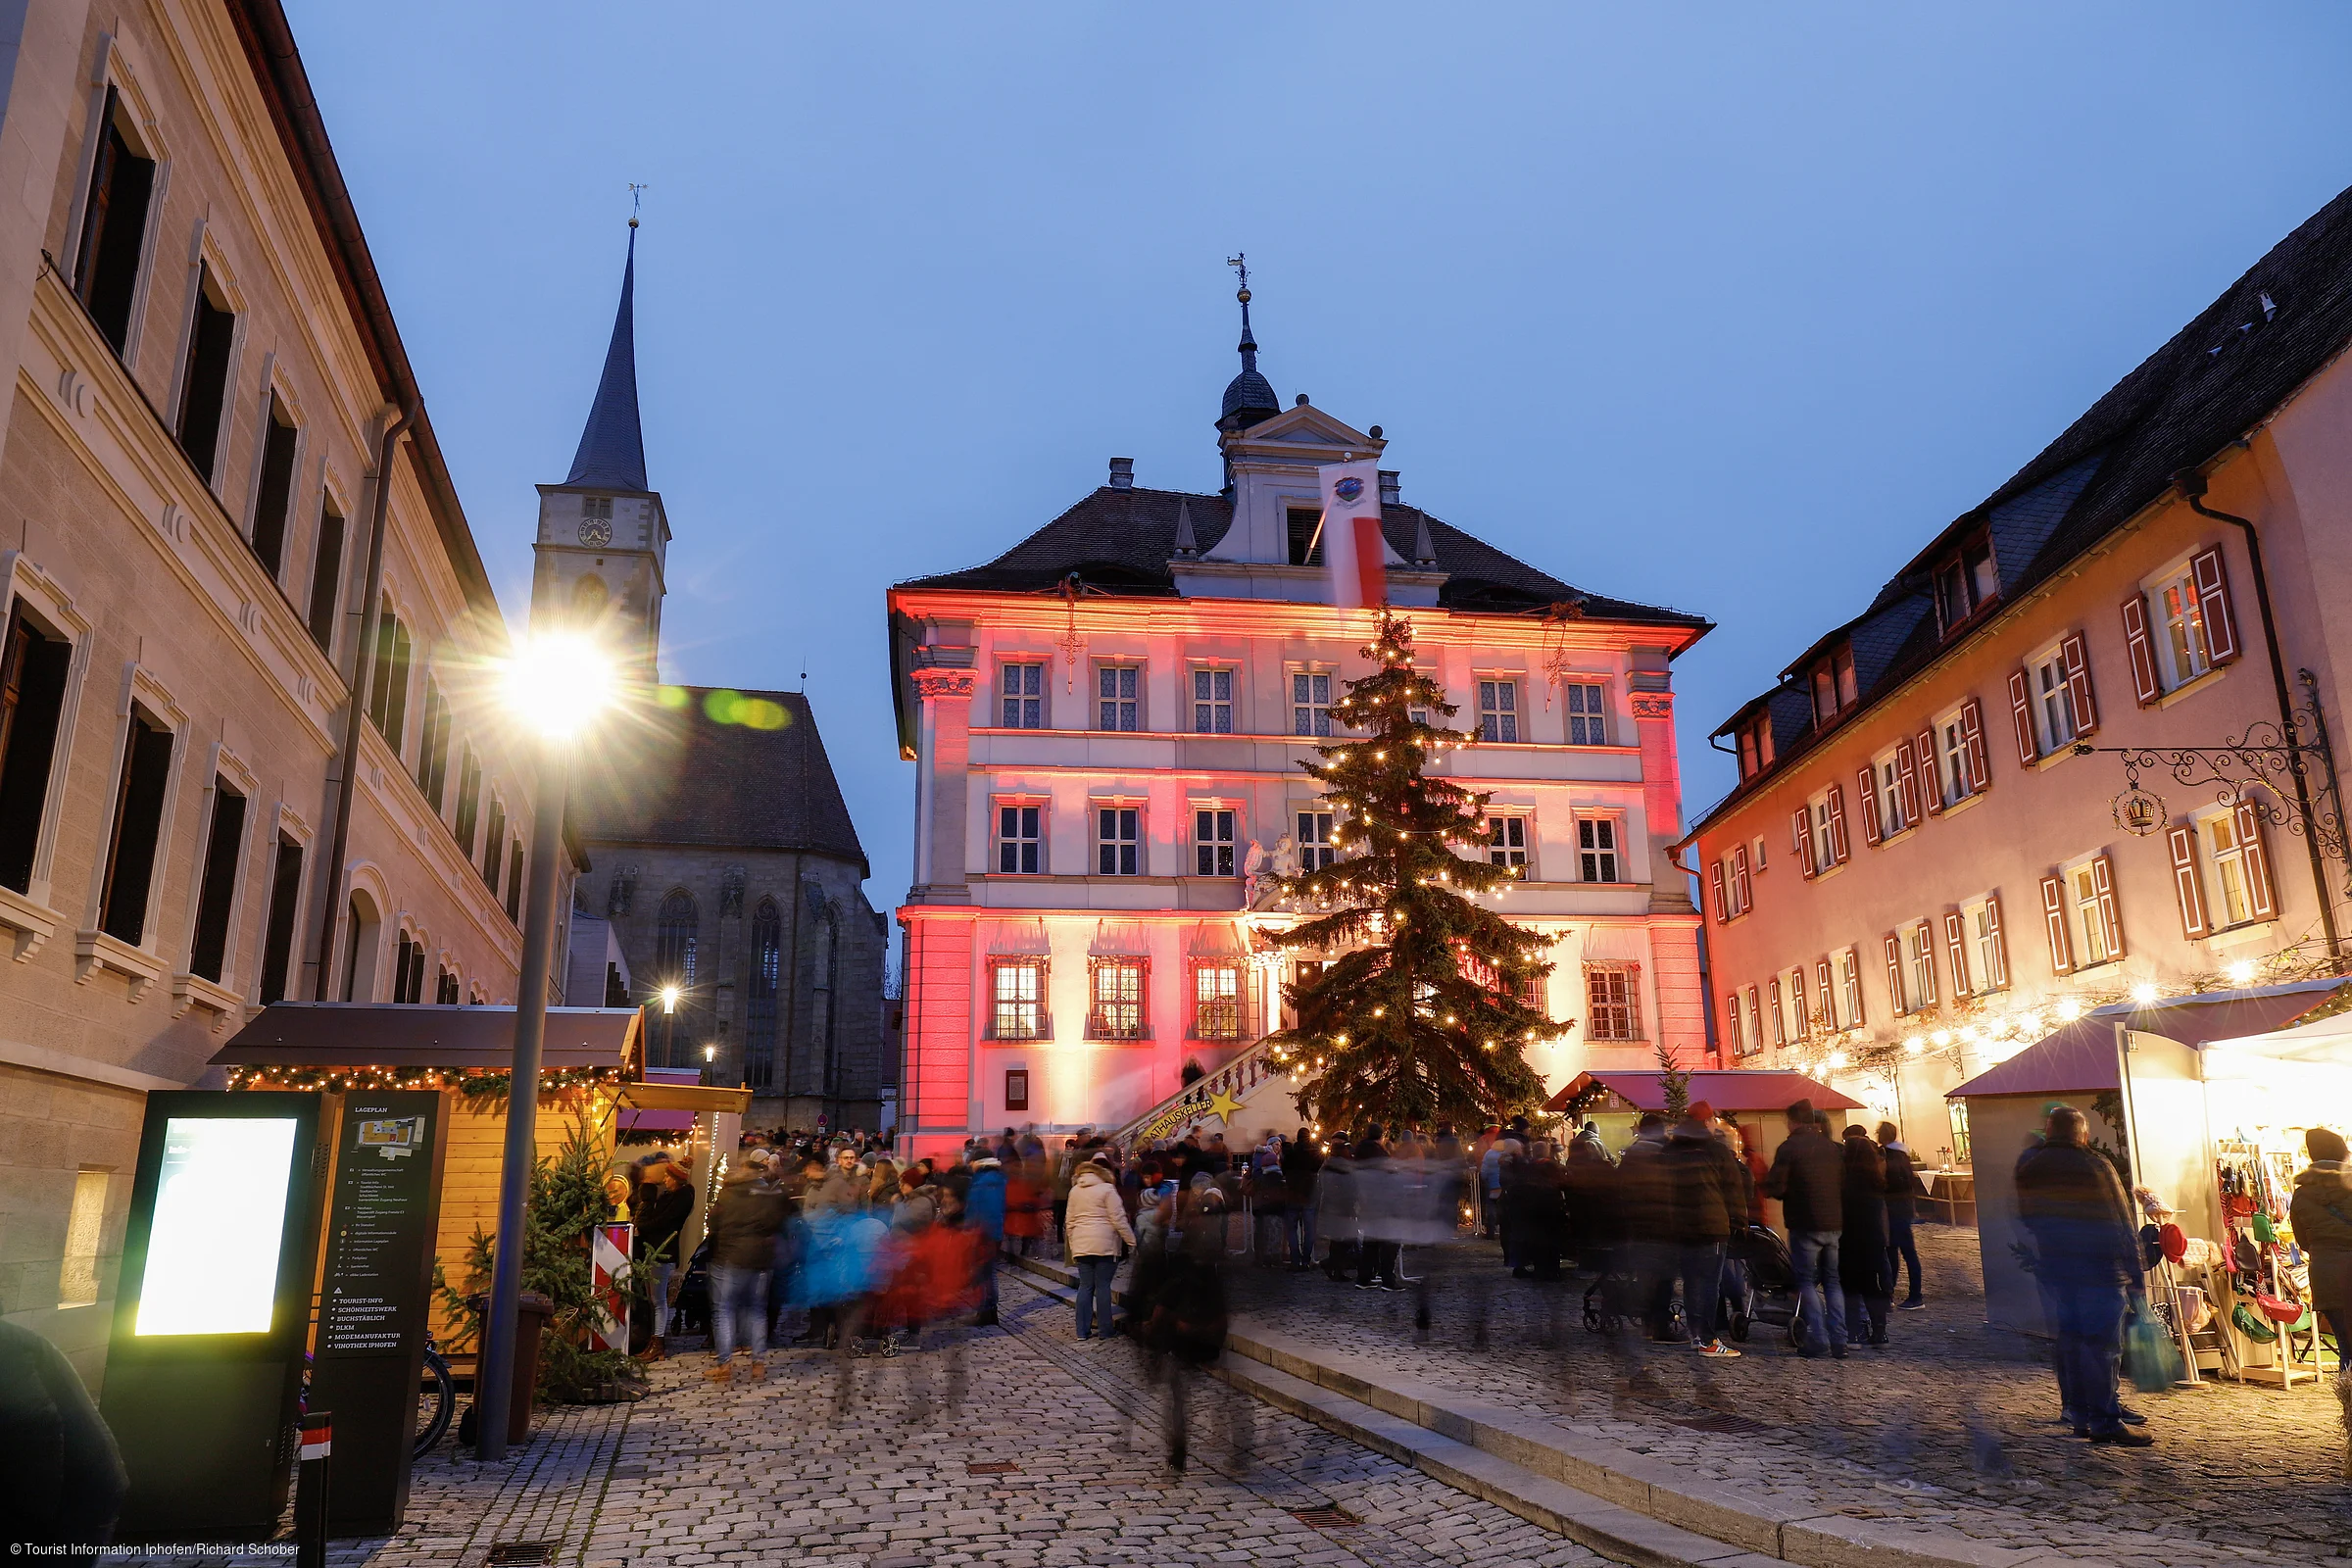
(1421, 1017)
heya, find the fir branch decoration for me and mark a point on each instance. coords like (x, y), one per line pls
(1420, 1018)
(1674, 1082)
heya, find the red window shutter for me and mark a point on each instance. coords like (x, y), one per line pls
(1972, 745)
(1838, 847)
(1731, 1014)
(1872, 832)
(2212, 577)
(1723, 914)
(2079, 694)
(2111, 921)
(1796, 1003)
(1780, 1027)
(1906, 782)
(1800, 828)
(1860, 1008)
(1926, 977)
(1999, 958)
(2020, 717)
(1955, 947)
(1894, 973)
(2053, 916)
(2181, 838)
(2143, 655)
(1743, 891)
(2261, 892)
(1825, 981)
(1931, 772)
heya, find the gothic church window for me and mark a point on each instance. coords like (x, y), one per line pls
(674, 936)
(760, 1006)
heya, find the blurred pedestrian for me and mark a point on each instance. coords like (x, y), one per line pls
(1185, 1315)
(1703, 1187)
(63, 1482)
(1336, 1210)
(984, 1204)
(1378, 1207)
(1302, 1164)
(1590, 1177)
(1645, 1207)
(1808, 1177)
(1903, 1189)
(1535, 1213)
(1865, 1262)
(2087, 1258)
(664, 1202)
(743, 1224)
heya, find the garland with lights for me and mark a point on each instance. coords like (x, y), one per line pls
(1418, 1021)
(470, 1083)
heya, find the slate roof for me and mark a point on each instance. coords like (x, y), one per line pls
(611, 450)
(1121, 541)
(691, 776)
(2218, 377)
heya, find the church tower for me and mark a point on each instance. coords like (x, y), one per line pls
(603, 536)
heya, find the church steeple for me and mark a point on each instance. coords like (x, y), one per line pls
(611, 452)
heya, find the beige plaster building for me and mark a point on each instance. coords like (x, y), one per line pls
(245, 751)
(1935, 853)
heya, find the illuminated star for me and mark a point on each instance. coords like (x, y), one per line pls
(1223, 1104)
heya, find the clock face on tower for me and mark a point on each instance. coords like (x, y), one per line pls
(595, 531)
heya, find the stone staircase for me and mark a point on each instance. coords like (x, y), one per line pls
(1244, 1083)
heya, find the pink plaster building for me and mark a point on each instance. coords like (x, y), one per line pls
(1932, 855)
(1107, 720)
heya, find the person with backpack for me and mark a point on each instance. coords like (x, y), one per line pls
(2089, 1260)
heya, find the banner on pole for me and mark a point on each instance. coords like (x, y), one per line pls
(609, 1249)
(1354, 551)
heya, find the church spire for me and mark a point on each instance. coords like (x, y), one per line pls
(1249, 397)
(612, 446)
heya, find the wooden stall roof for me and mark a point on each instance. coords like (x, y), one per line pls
(2078, 1057)
(685, 1097)
(360, 1034)
(1737, 1090)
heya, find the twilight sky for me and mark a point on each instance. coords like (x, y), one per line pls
(1717, 308)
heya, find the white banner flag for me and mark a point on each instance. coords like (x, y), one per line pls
(1353, 548)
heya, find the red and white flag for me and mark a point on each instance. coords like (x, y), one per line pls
(1353, 548)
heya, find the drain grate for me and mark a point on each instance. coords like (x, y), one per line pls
(992, 1467)
(1718, 1421)
(1334, 1518)
(522, 1554)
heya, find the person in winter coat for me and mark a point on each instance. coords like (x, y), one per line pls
(1705, 1196)
(1645, 1205)
(1903, 1190)
(63, 1480)
(2322, 1215)
(1808, 1177)
(1184, 1312)
(1535, 1214)
(1336, 1210)
(984, 1210)
(1865, 1262)
(2087, 1258)
(743, 1224)
(1591, 1216)
(1095, 1227)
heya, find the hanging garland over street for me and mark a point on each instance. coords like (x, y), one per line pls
(1420, 1018)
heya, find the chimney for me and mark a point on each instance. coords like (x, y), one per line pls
(1390, 492)
(1122, 474)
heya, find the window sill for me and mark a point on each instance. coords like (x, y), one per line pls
(1826, 873)
(1964, 802)
(2189, 688)
(1892, 839)
(34, 923)
(2065, 749)
(2243, 933)
(195, 991)
(94, 951)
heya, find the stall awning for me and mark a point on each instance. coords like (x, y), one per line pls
(1735, 1089)
(383, 1034)
(689, 1098)
(2080, 1058)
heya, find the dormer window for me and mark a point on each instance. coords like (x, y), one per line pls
(1965, 583)
(1755, 746)
(1833, 687)
(1305, 549)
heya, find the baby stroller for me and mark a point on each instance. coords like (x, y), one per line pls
(1618, 1298)
(1759, 1282)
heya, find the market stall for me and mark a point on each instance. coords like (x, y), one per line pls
(2204, 1100)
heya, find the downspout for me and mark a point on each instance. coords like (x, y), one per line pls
(379, 505)
(2191, 482)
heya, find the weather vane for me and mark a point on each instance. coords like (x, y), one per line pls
(1241, 265)
(636, 199)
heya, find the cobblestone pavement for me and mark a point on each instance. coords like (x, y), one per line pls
(1951, 1425)
(878, 1474)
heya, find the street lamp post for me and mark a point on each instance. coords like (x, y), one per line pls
(558, 685)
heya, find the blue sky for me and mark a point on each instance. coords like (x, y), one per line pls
(1722, 308)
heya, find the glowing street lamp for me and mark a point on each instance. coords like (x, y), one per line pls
(556, 686)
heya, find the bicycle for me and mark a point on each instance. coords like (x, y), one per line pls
(436, 1400)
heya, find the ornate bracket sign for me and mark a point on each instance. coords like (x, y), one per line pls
(2139, 812)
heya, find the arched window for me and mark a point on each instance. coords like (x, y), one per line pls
(359, 971)
(673, 942)
(759, 1005)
